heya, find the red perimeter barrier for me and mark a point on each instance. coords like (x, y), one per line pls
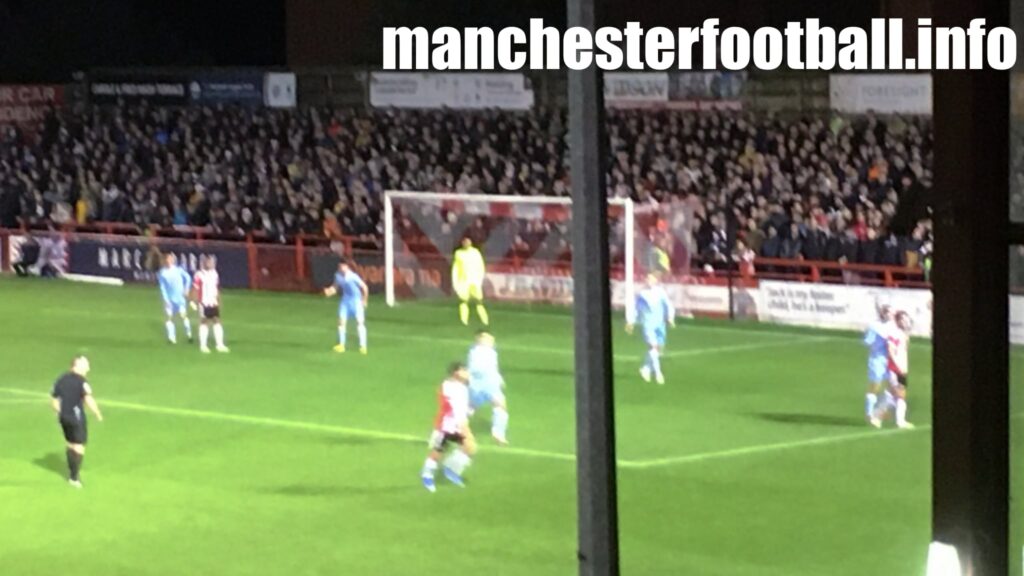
(289, 266)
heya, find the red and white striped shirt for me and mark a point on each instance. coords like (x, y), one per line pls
(899, 357)
(207, 287)
(453, 407)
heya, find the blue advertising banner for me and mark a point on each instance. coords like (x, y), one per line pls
(230, 87)
(137, 259)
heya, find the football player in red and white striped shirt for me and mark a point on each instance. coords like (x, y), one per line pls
(451, 427)
(899, 369)
(206, 292)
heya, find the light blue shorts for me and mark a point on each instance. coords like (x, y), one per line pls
(878, 370)
(655, 336)
(485, 395)
(352, 309)
(174, 308)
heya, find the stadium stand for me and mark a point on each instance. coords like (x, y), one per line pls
(818, 189)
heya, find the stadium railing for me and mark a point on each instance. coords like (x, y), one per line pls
(299, 262)
(841, 273)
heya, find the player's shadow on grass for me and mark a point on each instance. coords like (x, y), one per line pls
(559, 372)
(811, 419)
(53, 462)
(405, 321)
(352, 440)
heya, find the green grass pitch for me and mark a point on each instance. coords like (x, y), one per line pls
(286, 458)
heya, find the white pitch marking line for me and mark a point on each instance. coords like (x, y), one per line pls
(751, 346)
(379, 435)
(23, 401)
(295, 425)
(780, 339)
(764, 448)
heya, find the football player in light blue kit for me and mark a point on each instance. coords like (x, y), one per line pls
(876, 338)
(654, 313)
(175, 284)
(354, 299)
(486, 384)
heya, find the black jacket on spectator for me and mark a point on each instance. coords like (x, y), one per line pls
(772, 247)
(891, 251)
(868, 252)
(814, 245)
(833, 248)
(849, 248)
(791, 247)
(10, 208)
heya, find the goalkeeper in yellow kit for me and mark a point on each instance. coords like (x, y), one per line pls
(468, 271)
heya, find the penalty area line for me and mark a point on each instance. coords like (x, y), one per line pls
(294, 425)
(751, 346)
(766, 448)
(23, 401)
(512, 450)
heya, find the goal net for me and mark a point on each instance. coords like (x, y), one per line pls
(526, 242)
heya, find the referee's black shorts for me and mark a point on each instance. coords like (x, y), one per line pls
(75, 432)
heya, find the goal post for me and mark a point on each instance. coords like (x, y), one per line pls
(525, 241)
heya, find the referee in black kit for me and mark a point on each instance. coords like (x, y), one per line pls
(70, 393)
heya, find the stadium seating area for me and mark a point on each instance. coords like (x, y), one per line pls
(834, 189)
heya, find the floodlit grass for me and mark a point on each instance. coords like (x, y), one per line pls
(286, 458)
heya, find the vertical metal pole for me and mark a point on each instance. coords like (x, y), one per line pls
(971, 435)
(630, 257)
(389, 251)
(595, 419)
(732, 264)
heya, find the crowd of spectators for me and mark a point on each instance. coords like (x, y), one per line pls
(821, 188)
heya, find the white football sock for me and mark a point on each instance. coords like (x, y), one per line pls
(450, 462)
(171, 333)
(218, 335)
(341, 335)
(204, 335)
(188, 327)
(362, 335)
(655, 361)
(429, 467)
(464, 461)
(901, 412)
(870, 401)
(457, 462)
(499, 422)
(888, 401)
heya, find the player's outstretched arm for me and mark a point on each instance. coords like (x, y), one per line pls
(366, 293)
